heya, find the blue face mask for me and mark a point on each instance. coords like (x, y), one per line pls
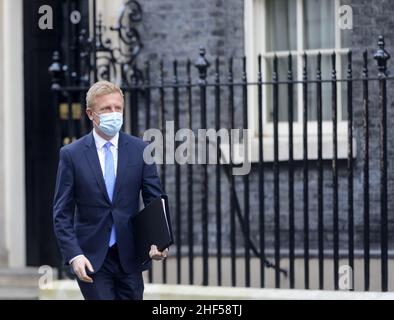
(110, 123)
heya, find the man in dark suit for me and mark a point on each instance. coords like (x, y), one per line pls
(99, 180)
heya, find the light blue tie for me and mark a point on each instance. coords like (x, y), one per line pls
(109, 177)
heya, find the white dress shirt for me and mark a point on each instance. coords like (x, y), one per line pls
(100, 142)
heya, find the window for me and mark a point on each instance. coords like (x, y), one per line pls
(280, 27)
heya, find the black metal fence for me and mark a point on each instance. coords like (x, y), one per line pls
(215, 217)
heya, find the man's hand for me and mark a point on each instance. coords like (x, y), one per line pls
(79, 265)
(155, 254)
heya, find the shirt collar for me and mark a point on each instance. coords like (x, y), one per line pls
(100, 142)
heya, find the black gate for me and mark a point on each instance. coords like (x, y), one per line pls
(214, 220)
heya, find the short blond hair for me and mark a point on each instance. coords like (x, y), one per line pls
(101, 88)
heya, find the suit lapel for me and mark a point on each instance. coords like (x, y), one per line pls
(94, 162)
(123, 156)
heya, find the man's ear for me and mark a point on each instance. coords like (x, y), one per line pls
(89, 113)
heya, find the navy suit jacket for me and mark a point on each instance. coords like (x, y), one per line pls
(83, 214)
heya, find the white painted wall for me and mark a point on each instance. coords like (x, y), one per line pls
(12, 157)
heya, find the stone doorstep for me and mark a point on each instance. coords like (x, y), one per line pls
(68, 290)
(15, 277)
(13, 293)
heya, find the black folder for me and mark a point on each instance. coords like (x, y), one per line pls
(152, 225)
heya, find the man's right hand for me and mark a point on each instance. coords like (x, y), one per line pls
(79, 266)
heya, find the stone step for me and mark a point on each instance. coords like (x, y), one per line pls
(19, 277)
(13, 293)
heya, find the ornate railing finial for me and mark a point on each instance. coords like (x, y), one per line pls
(56, 70)
(202, 65)
(381, 56)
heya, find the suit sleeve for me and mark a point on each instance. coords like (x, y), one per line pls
(64, 209)
(151, 186)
